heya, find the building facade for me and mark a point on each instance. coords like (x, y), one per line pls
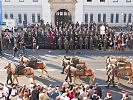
(113, 12)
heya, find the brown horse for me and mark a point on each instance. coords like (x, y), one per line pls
(88, 73)
(27, 71)
(126, 71)
(38, 65)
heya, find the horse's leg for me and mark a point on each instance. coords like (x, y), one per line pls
(118, 80)
(74, 79)
(79, 79)
(32, 78)
(44, 70)
(15, 78)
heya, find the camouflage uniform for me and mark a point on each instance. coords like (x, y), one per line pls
(86, 42)
(9, 76)
(80, 42)
(71, 44)
(60, 43)
(111, 77)
(66, 45)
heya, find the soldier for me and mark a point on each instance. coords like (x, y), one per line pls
(60, 43)
(80, 42)
(66, 45)
(9, 76)
(69, 75)
(111, 77)
(86, 42)
(71, 44)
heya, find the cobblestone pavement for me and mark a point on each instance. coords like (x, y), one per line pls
(52, 58)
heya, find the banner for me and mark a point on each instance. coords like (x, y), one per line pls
(0, 12)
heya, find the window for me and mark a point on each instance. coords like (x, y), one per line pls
(35, 0)
(115, 0)
(38, 18)
(117, 18)
(112, 18)
(33, 18)
(89, 0)
(25, 18)
(104, 17)
(91, 18)
(129, 18)
(99, 18)
(102, 0)
(19, 18)
(21, 0)
(124, 20)
(7, 0)
(6, 16)
(86, 18)
(128, 0)
(11, 16)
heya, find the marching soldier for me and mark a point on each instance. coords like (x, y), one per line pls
(66, 45)
(69, 75)
(86, 42)
(9, 76)
(111, 77)
(60, 43)
(80, 42)
(91, 42)
(71, 44)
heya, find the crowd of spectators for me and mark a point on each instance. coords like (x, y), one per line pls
(65, 92)
(78, 36)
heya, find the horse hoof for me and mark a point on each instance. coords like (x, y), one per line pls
(48, 76)
(40, 76)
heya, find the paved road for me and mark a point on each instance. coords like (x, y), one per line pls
(52, 58)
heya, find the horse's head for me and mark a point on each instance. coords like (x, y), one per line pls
(8, 66)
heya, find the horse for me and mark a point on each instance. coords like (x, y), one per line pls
(27, 71)
(38, 65)
(126, 71)
(88, 73)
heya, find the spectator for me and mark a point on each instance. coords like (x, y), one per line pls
(125, 97)
(98, 89)
(108, 97)
(2, 94)
(15, 51)
(34, 93)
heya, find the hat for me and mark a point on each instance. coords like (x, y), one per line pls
(109, 95)
(125, 95)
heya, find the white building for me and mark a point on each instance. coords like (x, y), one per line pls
(113, 12)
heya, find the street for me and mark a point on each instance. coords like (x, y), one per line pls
(94, 59)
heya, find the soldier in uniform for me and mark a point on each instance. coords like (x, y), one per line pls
(71, 44)
(86, 42)
(111, 76)
(60, 43)
(66, 45)
(9, 76)
(69, 75)
(80, 42)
